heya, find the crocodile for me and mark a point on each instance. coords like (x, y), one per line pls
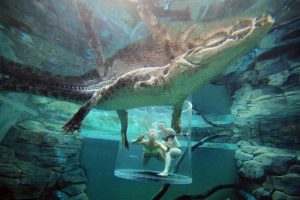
(183, 61)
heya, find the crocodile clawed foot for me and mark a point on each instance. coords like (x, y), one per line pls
(74, 124)
(71, 126)
(126, 145)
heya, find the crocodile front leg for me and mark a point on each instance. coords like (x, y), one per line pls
(74, 124)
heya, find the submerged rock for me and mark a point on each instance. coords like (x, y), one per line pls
(72, 177)
(289, 183)
(10, 183)
(10, 170)
(34, 175)
(240, 155)
(294, 169)
(252, 170)
(33, 163)
(7, 155)
(81, 196)
(261, 193)
(73, 190)
(279, 195)
(276, 163)
(271, 173)
(248, 148)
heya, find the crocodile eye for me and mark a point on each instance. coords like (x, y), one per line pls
(241, 25)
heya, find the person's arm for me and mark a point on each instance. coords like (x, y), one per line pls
(176, 142)
(139, 140)
(170, 131)
(161, 146)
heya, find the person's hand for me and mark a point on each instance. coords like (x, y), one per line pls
(169, 143)
(185, 134)
(139, 139)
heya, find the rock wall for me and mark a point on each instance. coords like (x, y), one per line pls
(265, 86)
(283, 133)
(40, 164)
(269, 173)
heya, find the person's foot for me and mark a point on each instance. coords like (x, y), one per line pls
(163, 173)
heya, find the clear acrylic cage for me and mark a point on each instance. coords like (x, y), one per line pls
(130, 164)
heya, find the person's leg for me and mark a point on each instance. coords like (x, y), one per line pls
(167, 164)
(146, 160)
(161, 156)
(175, 152)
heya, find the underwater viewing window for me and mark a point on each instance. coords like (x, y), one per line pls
(156, 153)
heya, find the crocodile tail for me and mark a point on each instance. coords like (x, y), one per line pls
(21, 78)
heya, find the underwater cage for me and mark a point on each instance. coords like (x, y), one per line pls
(141, 163)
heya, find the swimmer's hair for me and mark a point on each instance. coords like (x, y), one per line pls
(161, 124)
(152, 131)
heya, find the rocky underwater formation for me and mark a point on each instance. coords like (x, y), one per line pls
(268, 172)
(266, 102)
(40, 164)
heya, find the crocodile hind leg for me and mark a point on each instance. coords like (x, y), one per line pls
(159, 32)
(74, 124)
(153, 23)
(86, 17)
(176, 117)
(123, 116)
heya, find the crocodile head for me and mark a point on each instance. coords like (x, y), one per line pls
(225, 35)
(217, 46)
